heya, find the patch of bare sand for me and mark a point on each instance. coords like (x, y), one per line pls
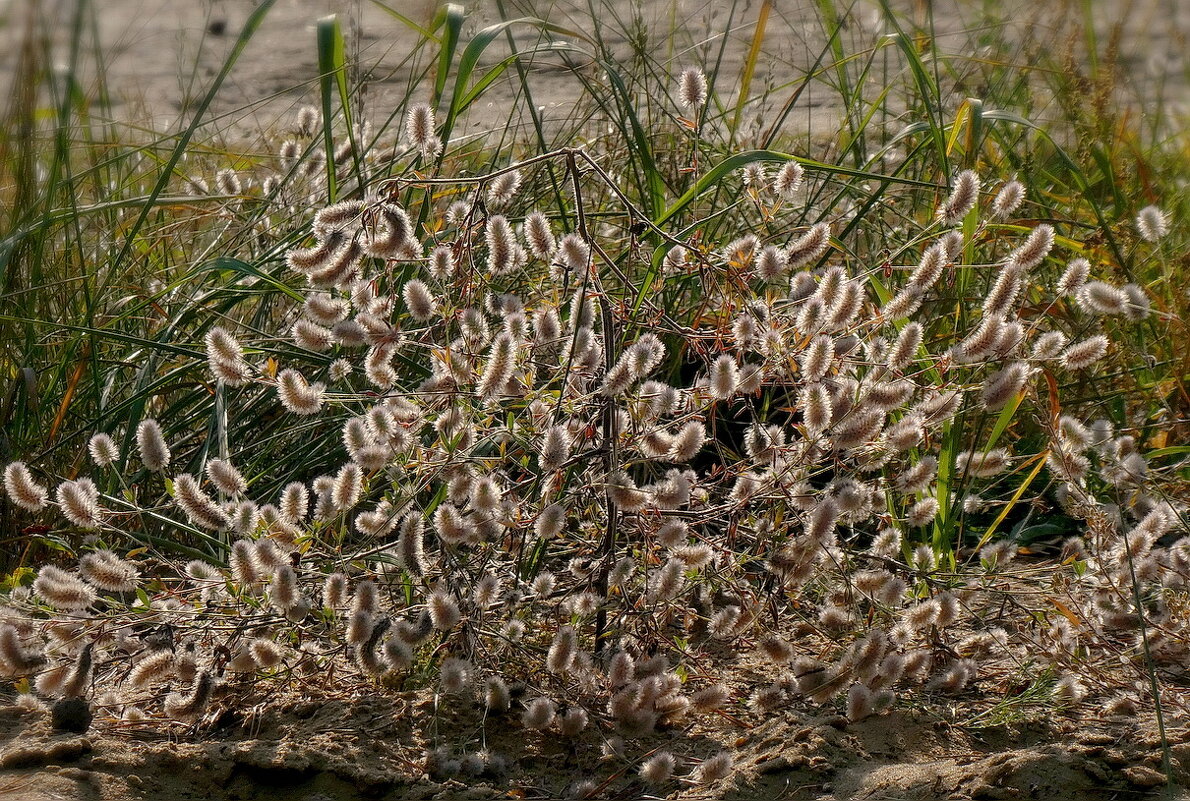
(374, 747)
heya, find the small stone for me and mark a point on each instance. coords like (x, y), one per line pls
(1142, 776)
(71, 714)
(1095, 738)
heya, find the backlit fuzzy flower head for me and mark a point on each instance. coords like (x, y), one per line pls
(770, 265)
(809, 247)
(816, 359)
(929, 269)
(555, 448)
(961, 200)
(723, 378)
(22, 489)
(1073, 278)
(692, 89)
(687, 442)
(1083, 354)
(226, 477)
(1034, 250)
(1008, 199)
(419, 129)
(198, 506)
(788, 180)
(983, 464)
(1139, 306)
(539, 236)
(410, 551)
(108, 572)
(348, 487)
(297, 395)
(103, 450)
(227, 181)
(389, 236)
(539, 714)
(444, 610)
(917, 479)
(1000, 387)
(225, 358)
(150, 444)
(550, 522)
(1048, 345)
(79, 502)
(61, 590)
(815, 403)
(658, 769)
(418, 300)
(1152, 223)
(1098, 297)
(503, 189)
(904, 350)
(713, 769)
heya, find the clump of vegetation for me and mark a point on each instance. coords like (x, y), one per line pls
(575, 448)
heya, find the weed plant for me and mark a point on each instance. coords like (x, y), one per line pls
(577, 424)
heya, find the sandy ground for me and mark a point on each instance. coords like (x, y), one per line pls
(160, 55)
(374, 748)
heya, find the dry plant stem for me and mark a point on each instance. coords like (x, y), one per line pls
(610, 434)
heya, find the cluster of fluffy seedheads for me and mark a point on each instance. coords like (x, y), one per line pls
(558, 502)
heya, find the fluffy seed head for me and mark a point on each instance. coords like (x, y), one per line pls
(539, 714)
(199, 507)
(444, 611)
(788, 180)
(419, 129)
(1003, 385)
(297, 395)
(225, 358)
(22, 489)
(108, 572)
(1152, 223)
(658, 769)
(1083, 354)
(1008, 199)
(692, 89)
(809, 247)
(103, 450)
(724, 377)
(226, 477)
(1075, 275)
(904, 350)
(79, 502)
(962, 198)
(150, 444)
(63, 591)
(1098, 297)
(713, 769)
(1034, 250)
